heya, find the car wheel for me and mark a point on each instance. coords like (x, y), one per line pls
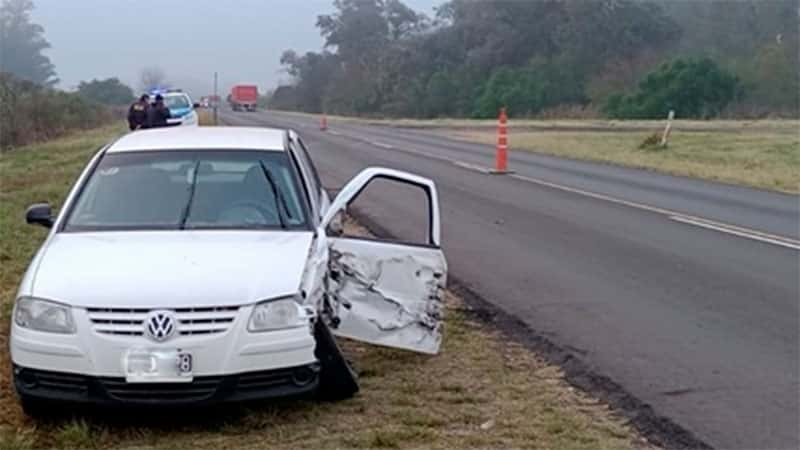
(337, 379)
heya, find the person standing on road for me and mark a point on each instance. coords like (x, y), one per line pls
(158, 113)
(137, 113)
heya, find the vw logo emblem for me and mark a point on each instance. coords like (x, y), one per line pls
(160, 325)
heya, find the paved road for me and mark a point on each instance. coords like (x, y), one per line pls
(684, 292)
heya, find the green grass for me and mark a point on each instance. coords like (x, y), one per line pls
(77, 434)
(570, 124)
(758, 153)
(763, 158)
(37, 173)
(205, 117)
(482, 391)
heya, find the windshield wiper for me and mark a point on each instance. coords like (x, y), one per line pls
(188, 209)
(280, 201)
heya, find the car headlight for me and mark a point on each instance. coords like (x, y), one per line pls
(44, 315)
(279, 313)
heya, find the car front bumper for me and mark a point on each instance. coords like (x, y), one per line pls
(190, 119)
(93, 362)
(112, 391)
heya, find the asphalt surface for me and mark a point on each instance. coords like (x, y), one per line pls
(683, 292)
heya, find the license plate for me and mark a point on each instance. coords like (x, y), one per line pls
(157, 366)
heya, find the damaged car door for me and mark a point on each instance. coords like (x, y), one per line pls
(384, 292)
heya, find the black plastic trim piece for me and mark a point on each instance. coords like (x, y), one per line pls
(205, 390)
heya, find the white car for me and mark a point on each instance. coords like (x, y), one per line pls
(181, 109)
(199, 265)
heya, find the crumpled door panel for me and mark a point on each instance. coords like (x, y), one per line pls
(387, 293)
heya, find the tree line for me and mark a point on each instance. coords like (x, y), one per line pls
(31, 108)
(618, 58)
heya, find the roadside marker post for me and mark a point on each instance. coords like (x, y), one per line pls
(668, 128)
(323, 123)
(501, 157)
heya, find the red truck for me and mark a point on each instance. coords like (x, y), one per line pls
(243, 97)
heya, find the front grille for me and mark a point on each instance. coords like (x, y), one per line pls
(191, 321)
(200, 388)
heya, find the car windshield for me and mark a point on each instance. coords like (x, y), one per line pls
(189, 190)
(176, 101)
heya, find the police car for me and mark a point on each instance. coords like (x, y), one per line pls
(181, 108)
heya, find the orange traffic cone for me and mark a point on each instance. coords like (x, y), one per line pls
(323, 123)
(501, 157)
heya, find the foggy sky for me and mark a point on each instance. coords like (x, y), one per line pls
(188, 39)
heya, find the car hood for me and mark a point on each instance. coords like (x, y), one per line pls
(158, 269)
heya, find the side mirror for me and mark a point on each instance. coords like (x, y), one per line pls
(39, 214)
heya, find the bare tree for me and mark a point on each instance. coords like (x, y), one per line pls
(151, 77)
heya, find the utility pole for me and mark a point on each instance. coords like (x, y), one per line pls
(216, 101)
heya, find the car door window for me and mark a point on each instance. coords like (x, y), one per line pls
(313, 204)
(311, 181)
(307, 161)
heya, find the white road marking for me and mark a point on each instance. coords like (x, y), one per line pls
(335, 133)
(595, 195)
(729, 230)
(673, 215)
(470, 166)
(399, 149)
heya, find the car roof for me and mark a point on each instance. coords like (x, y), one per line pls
(201, 138)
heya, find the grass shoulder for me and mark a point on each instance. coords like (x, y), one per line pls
(757, 153)
(761, 158)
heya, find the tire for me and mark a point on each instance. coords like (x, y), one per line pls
(337, 379)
